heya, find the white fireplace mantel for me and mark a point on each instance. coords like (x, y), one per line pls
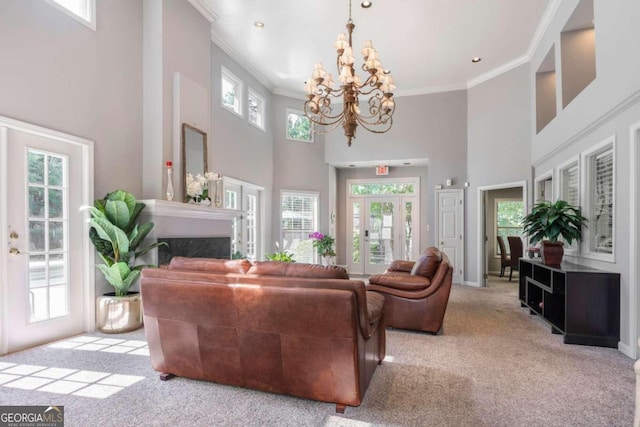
(184, 220)
(164, 208)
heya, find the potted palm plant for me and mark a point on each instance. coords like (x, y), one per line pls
(547, 222)
(116, 235)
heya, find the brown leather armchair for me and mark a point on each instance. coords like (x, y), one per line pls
(416, 293)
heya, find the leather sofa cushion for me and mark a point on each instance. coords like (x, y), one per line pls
(428, 263)
(211, 265)
(401, 266)
(294, 269)
(400, 281)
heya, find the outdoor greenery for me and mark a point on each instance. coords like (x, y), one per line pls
(299, 127)
(509, 214)
(116, 236)
(551, 221)
(372, 189)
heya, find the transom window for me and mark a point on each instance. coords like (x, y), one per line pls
(299, 218)
(256, 109)
(83, 11)
(231, 92)
(299, 126)
(381, 188)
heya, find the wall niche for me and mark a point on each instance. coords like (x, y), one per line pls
(578, 52)
(546, 90)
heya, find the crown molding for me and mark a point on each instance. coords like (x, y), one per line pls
(239, 59)
(545, 22)
(543, 26)
(497, 71)
(203, 7)
(429, 90)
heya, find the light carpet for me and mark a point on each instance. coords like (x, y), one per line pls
(494, 365)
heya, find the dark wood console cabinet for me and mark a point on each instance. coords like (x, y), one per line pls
(581, 303)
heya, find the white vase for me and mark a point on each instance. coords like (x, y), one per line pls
(328, 260)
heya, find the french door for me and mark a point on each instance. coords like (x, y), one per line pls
(245, 241)
(381, 227)
(45, 285)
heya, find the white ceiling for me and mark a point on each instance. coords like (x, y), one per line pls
(427, 44)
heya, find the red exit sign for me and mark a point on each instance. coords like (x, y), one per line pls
(382, 170)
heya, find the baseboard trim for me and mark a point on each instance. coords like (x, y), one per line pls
(626, 350)
(472, 284)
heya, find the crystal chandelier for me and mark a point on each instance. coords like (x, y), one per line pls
(375, 91)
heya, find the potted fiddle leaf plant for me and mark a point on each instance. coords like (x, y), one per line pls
(549, 221)
(116, 235)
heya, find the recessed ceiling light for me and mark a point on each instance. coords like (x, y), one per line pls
(259, 24)
(476, 59)
(366, 4)
(352, 166)
(386, 71)
(406, 163)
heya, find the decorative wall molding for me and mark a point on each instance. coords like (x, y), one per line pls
(203, 7)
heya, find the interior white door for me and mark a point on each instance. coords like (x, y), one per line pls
(44, 293)
(451, 229)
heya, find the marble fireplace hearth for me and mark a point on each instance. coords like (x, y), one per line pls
(194, 247)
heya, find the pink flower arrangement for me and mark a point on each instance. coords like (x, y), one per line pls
(324, 243)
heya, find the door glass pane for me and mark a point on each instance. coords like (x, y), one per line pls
(55, 203)
(55, 170)
(36, 236)
(356, 232)
(36, 202)
(36, 168)
(56, 235)
(48, 271)
(408, 230)
(381, 232)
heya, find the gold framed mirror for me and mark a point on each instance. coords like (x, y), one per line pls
(193, 154)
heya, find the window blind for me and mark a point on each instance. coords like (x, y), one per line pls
(570, 187)
(299, 213)
(601, 192)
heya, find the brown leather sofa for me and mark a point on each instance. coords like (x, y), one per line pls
(416, 293)
(298, 329)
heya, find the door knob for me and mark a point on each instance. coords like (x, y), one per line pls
(14, 251)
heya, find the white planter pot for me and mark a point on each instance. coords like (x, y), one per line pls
(328, 260)
(118, 314)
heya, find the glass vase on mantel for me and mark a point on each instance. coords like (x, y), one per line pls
(218, 187)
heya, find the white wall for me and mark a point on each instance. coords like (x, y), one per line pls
(237, 148)
(608, 106)
(59, 74)
(430, 127)
(298, 166)
(498, 151)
